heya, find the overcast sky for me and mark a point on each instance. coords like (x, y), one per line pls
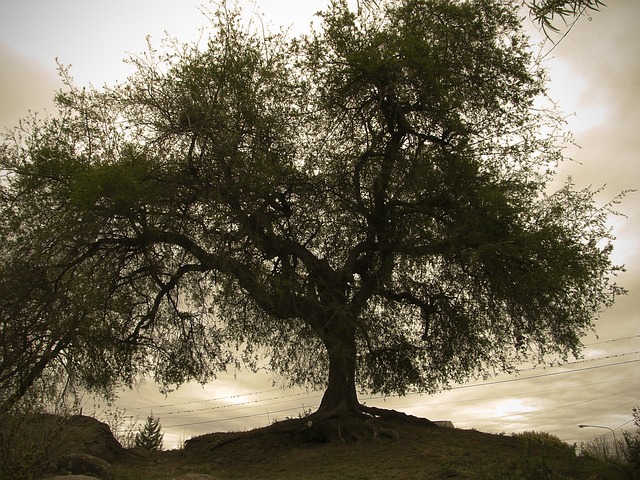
(595, 77)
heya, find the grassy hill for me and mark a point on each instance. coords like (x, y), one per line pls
(390, 449)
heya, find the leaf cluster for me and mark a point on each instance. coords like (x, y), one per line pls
(547, 12)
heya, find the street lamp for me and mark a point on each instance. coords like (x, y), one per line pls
(615, 440)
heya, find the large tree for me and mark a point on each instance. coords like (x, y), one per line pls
(365, 207)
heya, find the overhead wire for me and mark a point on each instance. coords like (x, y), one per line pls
(551, 374)
(520, 394)
(630, 337)
(244, 404)
(261, 414)
(227, 397)
(587, 419)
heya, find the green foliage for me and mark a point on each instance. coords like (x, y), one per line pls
(150, 435)
(370, 200)
(545, 440)
(540, 460)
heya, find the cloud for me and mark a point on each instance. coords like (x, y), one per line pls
(599, 65)
(604, 57)
(24, 85)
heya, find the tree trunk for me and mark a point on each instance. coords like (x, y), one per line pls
(340, 397)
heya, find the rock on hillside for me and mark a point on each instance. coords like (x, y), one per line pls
(95, 437)
(38, 444)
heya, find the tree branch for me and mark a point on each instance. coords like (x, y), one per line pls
(150, 316)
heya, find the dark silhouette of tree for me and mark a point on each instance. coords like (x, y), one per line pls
(150, 435)
(366, 206)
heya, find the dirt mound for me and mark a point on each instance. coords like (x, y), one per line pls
(375, 425)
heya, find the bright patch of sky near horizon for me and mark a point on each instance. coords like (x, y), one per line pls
(595, 77)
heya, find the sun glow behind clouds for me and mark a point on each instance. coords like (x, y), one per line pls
(574, 94)
(515, 408)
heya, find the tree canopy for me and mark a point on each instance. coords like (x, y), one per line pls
(363, 207)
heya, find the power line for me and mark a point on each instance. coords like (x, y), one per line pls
(520, 394)
(227, 397)
(609, 409)
(550, 374)
(619, 427)
(459, 387)
(242, 404)
(530, 377)
(292, 395)
(232, 418)
(630, 337)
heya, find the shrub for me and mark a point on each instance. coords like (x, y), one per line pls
(601, 448)
(122, 426)
(631, 448)
(30, 443)
(545, 440)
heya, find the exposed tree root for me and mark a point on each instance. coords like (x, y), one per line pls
(370, 423)
(346, 426)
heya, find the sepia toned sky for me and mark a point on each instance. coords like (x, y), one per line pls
(595, 78)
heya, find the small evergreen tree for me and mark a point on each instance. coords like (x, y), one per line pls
(150, 435)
